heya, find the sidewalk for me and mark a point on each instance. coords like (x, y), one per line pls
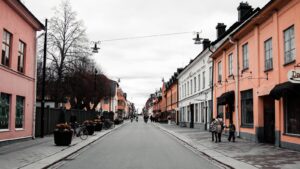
(42, 152)
(242, 154)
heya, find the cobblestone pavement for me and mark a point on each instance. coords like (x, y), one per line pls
(259, 155)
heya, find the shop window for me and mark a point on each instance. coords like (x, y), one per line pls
(268, 55)
(4, 110)
(220, 111)
(247, 108)
(20, 112)
(6, 47)
(289, 45)
(292, 114)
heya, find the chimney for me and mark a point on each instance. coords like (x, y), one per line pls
(206, 43)
(244, 11)
(221, 29)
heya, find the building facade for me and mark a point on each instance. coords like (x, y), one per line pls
(194, 85)
(18, 29)
(256, 72)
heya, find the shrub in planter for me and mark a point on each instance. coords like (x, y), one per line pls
(63, 134)
(98, 125)
(90, 126)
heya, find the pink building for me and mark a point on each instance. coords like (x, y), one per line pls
(18, 29)
(257, 73)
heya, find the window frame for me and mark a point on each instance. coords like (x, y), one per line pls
(18, 106)
(245, 55)
(291, 44)
(22, 55)
(230, 64)
(8, 46)
(245, 97)
(8, 107)
(268, 52)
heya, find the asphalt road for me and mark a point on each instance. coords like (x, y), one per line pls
(137, 146)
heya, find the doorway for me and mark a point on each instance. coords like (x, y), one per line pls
(269, 120)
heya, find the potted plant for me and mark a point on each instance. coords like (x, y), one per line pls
(98, 125)
(63, 134)
(90, 126)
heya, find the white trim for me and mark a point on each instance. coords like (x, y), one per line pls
(4, 130)
(19, 129)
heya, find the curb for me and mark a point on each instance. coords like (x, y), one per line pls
(211, 154)
(58, 157)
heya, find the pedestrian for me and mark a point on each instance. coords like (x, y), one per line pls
(231, 131)
(220, 127)
(212, 129)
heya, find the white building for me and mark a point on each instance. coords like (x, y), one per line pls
(195, 94)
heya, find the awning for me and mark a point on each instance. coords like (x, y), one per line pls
(226, 98)
(286, 88)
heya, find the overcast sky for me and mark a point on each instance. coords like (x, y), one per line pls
(142, 63)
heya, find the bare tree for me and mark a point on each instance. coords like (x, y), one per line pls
(68, 46)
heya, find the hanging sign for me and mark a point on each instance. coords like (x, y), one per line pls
(294, 76)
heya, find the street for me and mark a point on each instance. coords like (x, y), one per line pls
(137, 146)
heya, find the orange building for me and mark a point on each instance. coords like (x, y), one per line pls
(257, 74)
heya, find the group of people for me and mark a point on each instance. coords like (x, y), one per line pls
(216, 128)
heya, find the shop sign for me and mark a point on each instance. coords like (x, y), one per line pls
(294, 76)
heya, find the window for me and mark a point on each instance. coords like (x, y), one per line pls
(230, 69)
(199, 83)
(106, 101)
(210, 76)
(6, 45)
(245, 56)
(21, 55)
(220, 111)
(4, 110)
(247, 108)
(185, 90)
(188, 88)
(188, 113)
(196, 112)
(202, 112)
(191, 86)
(219, 71)
(195, 84)
(20, 112)
(268, 55)
(292, 114)
(289, 45)
(203, 80)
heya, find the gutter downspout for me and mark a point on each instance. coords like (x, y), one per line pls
(212, 86)
(236, 43)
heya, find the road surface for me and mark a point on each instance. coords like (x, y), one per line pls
(136, 146)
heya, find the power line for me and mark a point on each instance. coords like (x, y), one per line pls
(147, 36)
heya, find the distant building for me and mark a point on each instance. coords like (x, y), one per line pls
(18, 29)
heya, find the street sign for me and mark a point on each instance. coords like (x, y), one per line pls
(294, 76)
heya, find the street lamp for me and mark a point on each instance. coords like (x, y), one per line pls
(95, 48)
(43, 82)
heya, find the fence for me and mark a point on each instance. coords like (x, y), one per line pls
(52, 116)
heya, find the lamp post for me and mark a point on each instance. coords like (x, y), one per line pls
(43, 82)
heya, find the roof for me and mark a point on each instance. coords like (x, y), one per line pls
(18, 4)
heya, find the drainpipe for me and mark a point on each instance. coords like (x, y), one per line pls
(212, 86)
(236, 43)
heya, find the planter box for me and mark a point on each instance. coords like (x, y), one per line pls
(98, 127)
(62, 138)
(90, 129)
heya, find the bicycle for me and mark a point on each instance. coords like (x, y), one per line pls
(108, 124)
(81, 131)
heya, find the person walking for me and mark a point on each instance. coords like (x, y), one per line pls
(213, 129)
(231, 132)
(220, 127)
